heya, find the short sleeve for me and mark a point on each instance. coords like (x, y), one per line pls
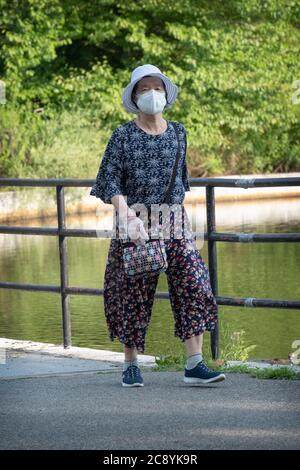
(185, 175)
(109, 177)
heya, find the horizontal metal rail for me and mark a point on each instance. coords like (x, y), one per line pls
(221, 182)
(212, 236)
(217, 236)
(235, 301)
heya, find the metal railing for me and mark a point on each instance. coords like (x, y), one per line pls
(211, 236)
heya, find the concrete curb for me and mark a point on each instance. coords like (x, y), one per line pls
(72, 352)
(263, 365)
(108, 356)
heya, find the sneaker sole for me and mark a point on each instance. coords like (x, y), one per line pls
(132, 385)
(196, 380)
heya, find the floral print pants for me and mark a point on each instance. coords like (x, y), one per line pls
(128, 302)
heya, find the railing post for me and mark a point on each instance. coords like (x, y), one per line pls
(63, 259)
(212, 262)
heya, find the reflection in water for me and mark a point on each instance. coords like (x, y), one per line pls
(265, 270)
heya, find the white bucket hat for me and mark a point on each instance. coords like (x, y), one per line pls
(138, 74)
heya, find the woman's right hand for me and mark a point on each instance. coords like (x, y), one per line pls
(136, 231)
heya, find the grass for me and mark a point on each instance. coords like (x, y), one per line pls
(281, 373)
(176, 363)
(234, 348)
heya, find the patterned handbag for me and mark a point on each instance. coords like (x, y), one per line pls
(149, 258)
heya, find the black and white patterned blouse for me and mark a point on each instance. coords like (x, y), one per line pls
(139, 165)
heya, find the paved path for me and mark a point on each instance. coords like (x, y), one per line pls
(20, 364)
(91, 410)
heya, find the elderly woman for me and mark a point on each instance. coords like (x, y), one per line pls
(135, 170)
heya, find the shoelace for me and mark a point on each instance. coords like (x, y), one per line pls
(204, 366)
(133, 370)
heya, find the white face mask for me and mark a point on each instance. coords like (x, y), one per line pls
(152, 102)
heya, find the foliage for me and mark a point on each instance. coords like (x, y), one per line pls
(280, 373)
(66, 146)
(234, 347)
(235, 63)
(177, 363)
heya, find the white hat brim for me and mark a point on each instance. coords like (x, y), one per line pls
(171, 89)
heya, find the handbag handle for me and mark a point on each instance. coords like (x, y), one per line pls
(171, 185)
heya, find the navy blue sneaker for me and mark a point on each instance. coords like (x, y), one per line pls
(131, 377)
(201, 374)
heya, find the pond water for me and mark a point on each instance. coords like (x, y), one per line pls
(262, 270)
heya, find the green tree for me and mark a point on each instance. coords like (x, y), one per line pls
(235, 63)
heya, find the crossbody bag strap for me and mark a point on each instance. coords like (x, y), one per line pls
(171, 185)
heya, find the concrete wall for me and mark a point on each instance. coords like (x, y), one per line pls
(41, 202)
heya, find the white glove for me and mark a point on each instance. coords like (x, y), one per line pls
(136, 231)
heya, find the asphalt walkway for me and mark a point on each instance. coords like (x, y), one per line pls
(83, 406)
